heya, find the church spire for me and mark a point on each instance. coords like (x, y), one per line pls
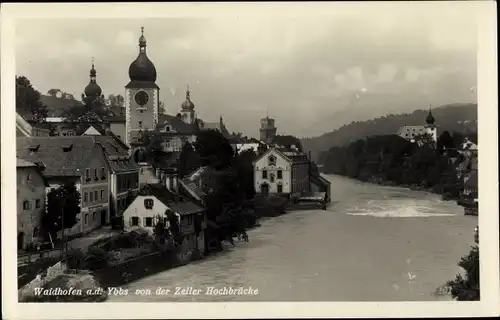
(142, 41)
(430, 118)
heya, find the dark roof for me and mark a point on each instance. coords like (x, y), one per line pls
(142, 85)
(176, 202)
(50, 151)
(57, 106)
(177, 124)
(116, 114)
(192, 182)
(60, 163)
(320, 180)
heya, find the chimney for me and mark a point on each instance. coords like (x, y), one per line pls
(172, 180)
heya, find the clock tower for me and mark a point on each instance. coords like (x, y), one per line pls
(141, 97)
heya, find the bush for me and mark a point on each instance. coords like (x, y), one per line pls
(467, 288)
(75, 259)
(96, 258)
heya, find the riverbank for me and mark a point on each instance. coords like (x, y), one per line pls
(362, 248)
(437, 189)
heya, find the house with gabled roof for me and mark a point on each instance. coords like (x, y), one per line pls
(80, 160)
(282, 171)
(155, 202)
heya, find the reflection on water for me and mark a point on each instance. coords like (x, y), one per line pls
(346, 253)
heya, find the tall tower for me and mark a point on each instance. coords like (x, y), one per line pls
(141, 96)
(187, 109)
(267, 130)
(430, 127)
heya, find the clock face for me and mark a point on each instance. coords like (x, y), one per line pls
(141, 98)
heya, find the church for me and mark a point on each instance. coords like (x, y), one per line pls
(140, 114)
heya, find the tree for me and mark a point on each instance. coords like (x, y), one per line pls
(445, 142)
(161, 108)
(466, 288)
(28, 100)
(214, 149)
(244, 170)
(288, 140)
(188, 160)
(64, 200)
(54, 92)
(115, 101)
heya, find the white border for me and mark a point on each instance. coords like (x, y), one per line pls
(488, 174)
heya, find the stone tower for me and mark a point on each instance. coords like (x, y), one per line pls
(141, 97)
(187, 109)
(267, 130)
(430, 127)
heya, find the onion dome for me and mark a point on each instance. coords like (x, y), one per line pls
(430, 118)
(93, 89)
(188, 104)
(142, 69)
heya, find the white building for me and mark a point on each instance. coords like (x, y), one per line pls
(154, 202)
(412, 133)
(284, 172)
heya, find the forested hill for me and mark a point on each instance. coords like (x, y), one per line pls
(453, 118)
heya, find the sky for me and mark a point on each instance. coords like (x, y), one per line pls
(312, 72)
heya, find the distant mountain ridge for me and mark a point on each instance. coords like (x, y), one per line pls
(452, 117)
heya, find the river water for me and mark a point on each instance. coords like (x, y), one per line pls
(373, 243)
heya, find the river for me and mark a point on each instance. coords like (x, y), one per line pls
(373, 243)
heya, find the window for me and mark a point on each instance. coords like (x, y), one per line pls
(86, 218)
(271, 160)
(167, 128)
(93, 216)
(280, 188)
(85, 197)
(271, 177)
(103, 173)
(148, 203)
(87, 174)
(26, 205)
(135, 221)
(264, 174)
(148, 222)
(91, 196)
(102, 194)
(37, 203)
(139, 124)
(280, 174)
(95, 195)
(95, 174)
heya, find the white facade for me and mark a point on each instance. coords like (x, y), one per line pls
(140, 215)
(240, 147)
(274, 171)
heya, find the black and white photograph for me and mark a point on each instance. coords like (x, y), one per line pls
(244, 153)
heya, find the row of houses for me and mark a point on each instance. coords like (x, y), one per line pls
(113, 185)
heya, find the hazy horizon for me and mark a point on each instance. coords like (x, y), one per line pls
(311, 73)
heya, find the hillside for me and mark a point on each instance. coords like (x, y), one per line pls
(454, 117)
